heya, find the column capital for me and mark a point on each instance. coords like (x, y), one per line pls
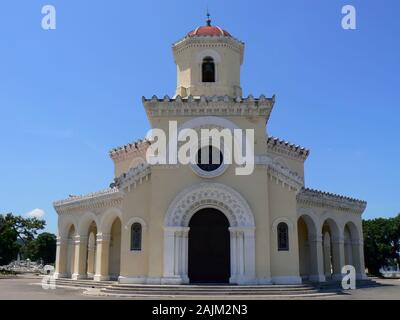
(61, 240)
(315, 238)
(249, 231)
(357, 242)
(78, 239)
(103, 237)
(338, 239)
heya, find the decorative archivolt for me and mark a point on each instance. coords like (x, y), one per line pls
(282, 219)
(214, 195)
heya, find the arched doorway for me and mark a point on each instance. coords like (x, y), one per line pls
(209, 247)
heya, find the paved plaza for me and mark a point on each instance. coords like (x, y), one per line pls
(29, 288)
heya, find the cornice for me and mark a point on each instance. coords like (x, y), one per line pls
(133, 148)
(101, 199)
(325, 199)
(280, 173)
(206, 42)
(207, 106)
(135, 175)
(286, 148)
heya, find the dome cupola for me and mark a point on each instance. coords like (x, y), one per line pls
(208, 62)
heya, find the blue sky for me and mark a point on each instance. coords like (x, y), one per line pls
(69, 95)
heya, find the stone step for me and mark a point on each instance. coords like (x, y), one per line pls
(207, 290)
(84, 283)
(211, 287)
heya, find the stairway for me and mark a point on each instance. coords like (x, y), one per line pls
(84, 283)
(137, 290)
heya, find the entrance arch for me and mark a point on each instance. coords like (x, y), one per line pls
(207, 195)
(209, 247)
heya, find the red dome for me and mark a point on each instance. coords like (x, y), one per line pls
(210, 31)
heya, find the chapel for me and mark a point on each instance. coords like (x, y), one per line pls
(204, 223)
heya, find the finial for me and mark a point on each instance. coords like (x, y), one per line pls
(208, 18)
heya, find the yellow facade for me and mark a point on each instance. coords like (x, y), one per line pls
(159, 200)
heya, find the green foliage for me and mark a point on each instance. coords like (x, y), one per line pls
(43, 247)
(16, 232)
(381, 243)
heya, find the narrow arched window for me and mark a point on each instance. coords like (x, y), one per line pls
(136, 237)
(208, 70)
(283, 237)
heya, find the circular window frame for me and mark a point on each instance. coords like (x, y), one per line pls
(210, 174)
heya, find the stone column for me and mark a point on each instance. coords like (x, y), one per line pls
(240, 255)
(358, 259)
(249, 246)
(174, 249)
(234, 263)
(184, 254)
(338, 257)
(316, 258)
(102, 256)
(61, 258)
(328, 255)
(80, 258)
(242, 242)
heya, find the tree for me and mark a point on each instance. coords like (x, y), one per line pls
(8, 242)
(381, 243)
(15, 229)
(43, 247)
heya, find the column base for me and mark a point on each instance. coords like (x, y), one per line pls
(263, 281)
(98, 277)
(172, 280)
(242, 280)
(77, 276)
(361, 276)
(317, 278)
(337, 277)
(287, 280)
(58, 275)
(153, 280)
(132, 280)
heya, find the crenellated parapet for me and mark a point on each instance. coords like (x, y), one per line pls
(287, 149)
(322, 199)
(101, 199)
(207, 106)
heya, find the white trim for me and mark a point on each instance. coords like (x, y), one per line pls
(131, 221)
(208, 194)
(286, 220)
(208, 53)
(242, 231)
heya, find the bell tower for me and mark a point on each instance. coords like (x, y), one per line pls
(208, 61)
